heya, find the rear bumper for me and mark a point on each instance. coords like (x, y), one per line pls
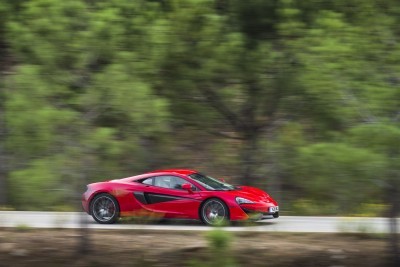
(85, 203)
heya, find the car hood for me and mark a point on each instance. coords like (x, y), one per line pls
(253, 194)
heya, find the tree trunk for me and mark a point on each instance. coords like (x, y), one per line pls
(274, 176)
(84, 245)
(3, 184)
(248, 158)
(394, 236)
(3, 160)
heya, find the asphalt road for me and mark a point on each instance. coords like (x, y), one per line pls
(22, 219)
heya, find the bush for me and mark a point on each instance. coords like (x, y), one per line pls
(220, 255)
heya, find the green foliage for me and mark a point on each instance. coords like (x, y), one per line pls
(331, 173)
(220, 255)
(78, 105)
(382, 138)
(371, 210)
(4, 9)
(219, 239)
(23, 228)
(312, 207)
(37, 183)
(51, 34)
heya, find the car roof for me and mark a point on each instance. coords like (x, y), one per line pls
(157, 172)
(178, 171)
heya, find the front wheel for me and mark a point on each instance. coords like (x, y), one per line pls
(104, 209)
(214, 212)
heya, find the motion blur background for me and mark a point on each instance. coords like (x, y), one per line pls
(300, 98)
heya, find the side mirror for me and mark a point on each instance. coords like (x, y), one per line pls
(187, 187)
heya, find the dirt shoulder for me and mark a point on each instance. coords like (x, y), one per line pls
(32, 247)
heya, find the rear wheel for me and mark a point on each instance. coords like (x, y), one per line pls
(104, 208)
(214, 212)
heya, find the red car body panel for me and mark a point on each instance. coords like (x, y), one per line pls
(132, 197)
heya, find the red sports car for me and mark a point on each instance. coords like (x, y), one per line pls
(177, 193)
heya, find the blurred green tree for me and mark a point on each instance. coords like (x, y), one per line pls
(383, 138)
(230, 72)
(335, 170)
(80, 79)
(4, 10)
(352, 57)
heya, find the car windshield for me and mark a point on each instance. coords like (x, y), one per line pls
(211, 183)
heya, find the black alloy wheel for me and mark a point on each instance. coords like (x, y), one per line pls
(104, 208)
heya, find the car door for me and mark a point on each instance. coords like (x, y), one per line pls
(163, 194)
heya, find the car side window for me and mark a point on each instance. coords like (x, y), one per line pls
(171, 182)
(148, 181)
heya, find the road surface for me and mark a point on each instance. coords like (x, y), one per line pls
(24, 219)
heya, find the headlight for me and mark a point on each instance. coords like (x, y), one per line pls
(241, 200)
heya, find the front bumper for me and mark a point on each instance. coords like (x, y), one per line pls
(273, 213)
(267, 216)
(254, 211)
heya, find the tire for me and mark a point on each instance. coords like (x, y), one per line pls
(104, 208)
(214, 212)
